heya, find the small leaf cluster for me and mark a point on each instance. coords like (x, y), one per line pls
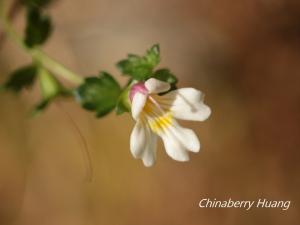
(102, 94)
(141, 68)
(26, 76)
(37, 31)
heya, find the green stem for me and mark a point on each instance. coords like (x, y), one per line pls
(40, 56)
(55, 67)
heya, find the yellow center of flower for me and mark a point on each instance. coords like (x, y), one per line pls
(160, 123)
(158, 119)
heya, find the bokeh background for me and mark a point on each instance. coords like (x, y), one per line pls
(244, 54)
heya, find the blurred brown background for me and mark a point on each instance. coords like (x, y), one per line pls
(244, 54)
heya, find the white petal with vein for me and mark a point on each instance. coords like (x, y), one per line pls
(174, 147)
(187, 104)
(187, 137)
(138, 139)
(137, 105)
(149, 155)
(143, 143)
(156, 86)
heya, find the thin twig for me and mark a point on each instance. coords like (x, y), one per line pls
(84, 148)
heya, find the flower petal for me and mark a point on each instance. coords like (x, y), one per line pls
(186, 137)
(174, 147)
(137, 105)
(156, 86)
(138, 139)
(149, 155)
(187, 104)
(143, 143)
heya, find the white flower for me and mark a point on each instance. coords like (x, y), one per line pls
(155, 116)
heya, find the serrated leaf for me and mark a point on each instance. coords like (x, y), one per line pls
(21, 78)
(140, 67)
(99, 94)
(38, 27)
(136, 67)
(165, 75)
(153, 55)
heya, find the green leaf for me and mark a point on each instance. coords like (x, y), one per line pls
(153, 55)
(21, 78)
(140, 67)
(36, 3)
(99, 94)
(165, 75)
(38, 27)
(136, 67)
